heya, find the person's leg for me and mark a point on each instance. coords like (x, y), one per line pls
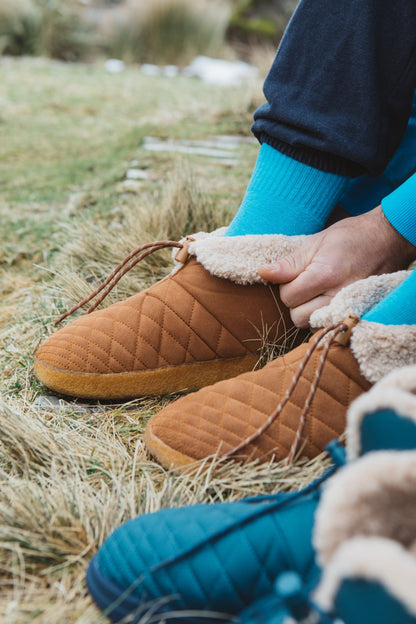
(339, 95)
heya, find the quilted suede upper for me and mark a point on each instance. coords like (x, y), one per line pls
(188, 317)
(224, 414)
(219, 557)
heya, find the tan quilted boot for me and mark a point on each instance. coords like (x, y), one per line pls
(202, 323)
(297, 403)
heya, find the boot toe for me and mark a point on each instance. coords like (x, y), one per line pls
(220, 418)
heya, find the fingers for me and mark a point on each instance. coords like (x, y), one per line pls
(283, 271)
(317, 279)
(311, 276)
(289, 267)
(301, 315)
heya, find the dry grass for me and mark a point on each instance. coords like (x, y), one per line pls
(167, 31)
(71, 472)
(69, 477)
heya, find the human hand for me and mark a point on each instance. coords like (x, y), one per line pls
(345, 252)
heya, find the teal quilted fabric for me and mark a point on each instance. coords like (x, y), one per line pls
(218, 557)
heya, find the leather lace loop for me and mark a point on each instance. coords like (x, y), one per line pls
(121, 269)
(325, 339)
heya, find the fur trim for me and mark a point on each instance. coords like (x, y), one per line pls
(394, 392)
(374, 496)
(381, 348)
(378, 348)
(357, 298)
(237, 258)
(375, 559)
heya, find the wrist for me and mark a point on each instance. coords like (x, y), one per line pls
(399, 209)
(402, 251)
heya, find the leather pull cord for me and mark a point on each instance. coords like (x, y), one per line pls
(121, 269)
(326, 338)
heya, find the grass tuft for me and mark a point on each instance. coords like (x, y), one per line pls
(20, 23)
(167, 31)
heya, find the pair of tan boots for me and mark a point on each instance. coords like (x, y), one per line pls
(202, 327)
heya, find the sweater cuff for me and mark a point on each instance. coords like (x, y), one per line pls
(400, 209)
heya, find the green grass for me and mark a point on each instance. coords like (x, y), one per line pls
(70, 128)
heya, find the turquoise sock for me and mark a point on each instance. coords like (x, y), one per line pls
(285, 196)
(398, 308)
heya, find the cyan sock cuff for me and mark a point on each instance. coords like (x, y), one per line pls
(400, 209)
(398, 308)
(285, 196)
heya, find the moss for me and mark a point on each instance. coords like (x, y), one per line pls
(255, 25)
(252, 20)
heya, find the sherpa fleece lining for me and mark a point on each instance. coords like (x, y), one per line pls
(374, 496)
(357, 298)
(237, 258)
(379, 348)
(396, 392)
(375, 559)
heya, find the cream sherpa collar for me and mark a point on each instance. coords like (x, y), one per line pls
(380, 560)
(378, 348)
(237, 258)
(365, 526)
(373, 496)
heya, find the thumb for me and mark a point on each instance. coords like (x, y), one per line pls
(288, 268)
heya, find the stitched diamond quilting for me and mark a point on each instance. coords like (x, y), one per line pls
(218, 557)
(220, 417)
(188, 317)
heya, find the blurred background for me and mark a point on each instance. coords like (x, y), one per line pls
(142, 31)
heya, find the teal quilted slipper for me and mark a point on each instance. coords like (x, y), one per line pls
(205, 562)
(384, 418)
(369, 579)
(217, 563)
(365, 542)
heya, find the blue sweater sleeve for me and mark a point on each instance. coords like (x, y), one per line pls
(366, 192)
(400, 209)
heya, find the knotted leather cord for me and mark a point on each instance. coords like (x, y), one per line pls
(120, 270)
(336, 329)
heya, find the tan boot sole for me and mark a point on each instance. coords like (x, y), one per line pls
(141, 383)
(165, 455)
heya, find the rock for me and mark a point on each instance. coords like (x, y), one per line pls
(132, 186)
(51, 402)
(221, 72)
(114, 66)
(170, 71)
(221, 149)
(48, 401)
(151, 70)
(136, 174)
